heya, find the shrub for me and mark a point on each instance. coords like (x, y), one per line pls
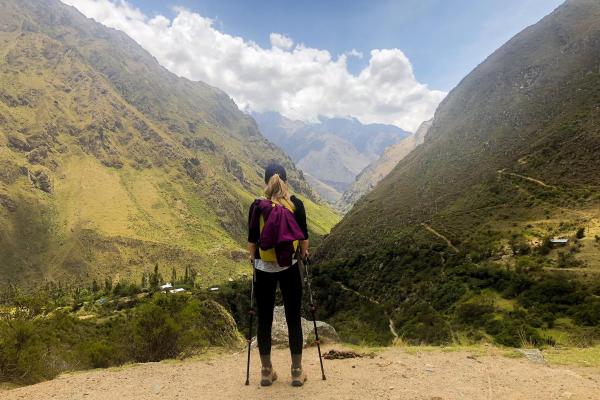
(155, 333)
(100, 354)
(474, 313)
(568, 260)
(24, 355)
(426, 326)
(545, 247)
(580, 233)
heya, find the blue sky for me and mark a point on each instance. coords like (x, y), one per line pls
(444, 39)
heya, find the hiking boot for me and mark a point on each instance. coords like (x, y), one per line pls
(298, 377)
(267, 376)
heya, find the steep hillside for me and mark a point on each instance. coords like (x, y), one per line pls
(331, 152)
(377, 170)
(456, 239)
(111, 164)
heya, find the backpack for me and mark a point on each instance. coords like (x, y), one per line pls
(279, 232)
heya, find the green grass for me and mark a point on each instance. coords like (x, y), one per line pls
(583, 357)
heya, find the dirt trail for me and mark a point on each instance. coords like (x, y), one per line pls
(372, 300)
(444, 238)
(391, 374)
(528, 178)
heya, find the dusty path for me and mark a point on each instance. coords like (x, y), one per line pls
(372, 300)
(444, 238)
(528, 178)
(392, 374)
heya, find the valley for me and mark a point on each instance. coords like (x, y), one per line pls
(445, 257)
(332, 151)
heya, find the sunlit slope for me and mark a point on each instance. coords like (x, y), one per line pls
(111, 164)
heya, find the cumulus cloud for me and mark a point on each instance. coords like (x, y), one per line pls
(355, 53)
(281, 41)
(298, 81)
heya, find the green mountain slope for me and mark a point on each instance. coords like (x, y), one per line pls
(511, 160)
(110, 164)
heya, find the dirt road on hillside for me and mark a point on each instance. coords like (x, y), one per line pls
(391, 374)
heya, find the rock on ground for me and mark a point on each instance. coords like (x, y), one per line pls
(279, 333)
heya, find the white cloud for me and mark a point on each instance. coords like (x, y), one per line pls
(281, 41)
(298, 81)
(355, 53)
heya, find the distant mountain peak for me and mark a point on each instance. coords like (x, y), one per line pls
(331, 152)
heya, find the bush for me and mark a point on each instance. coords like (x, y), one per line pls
(580, 233)
(474, 314)
(545, 247)
(35, 348)
(426, 326)
(568, 260)
(100, 354)
(155, 333)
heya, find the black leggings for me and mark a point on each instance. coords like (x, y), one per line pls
(290, 285)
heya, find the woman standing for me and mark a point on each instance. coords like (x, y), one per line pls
(269, 271)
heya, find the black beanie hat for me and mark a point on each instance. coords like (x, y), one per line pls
(273, 169)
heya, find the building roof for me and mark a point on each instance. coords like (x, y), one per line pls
(559, 240)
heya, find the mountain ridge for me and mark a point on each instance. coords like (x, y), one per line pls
(331, 152)
(112, 164)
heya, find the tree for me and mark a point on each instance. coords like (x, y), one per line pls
(145, 280)
(108, 284)
(95, 287)
(155, 278)
(173, 276)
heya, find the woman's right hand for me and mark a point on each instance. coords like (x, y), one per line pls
(252, 248)
(304, 253)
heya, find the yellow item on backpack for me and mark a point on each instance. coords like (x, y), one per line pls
(269, 255)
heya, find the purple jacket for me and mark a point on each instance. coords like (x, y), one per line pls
(279, 232)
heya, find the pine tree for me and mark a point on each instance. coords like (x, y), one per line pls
(145, 280)
(193, 275)
(95, 287)
(173, 276)
(156, 278)
(108, 284)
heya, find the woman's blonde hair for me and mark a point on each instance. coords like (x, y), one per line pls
(277, 191)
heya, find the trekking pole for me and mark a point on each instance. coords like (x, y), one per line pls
(313, 309)
(251, 313)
